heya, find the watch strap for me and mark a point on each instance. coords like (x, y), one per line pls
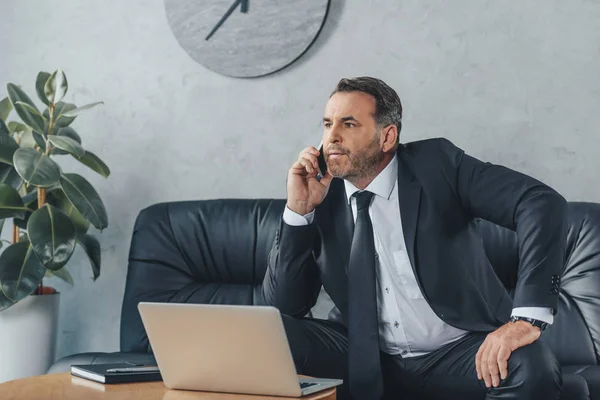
(535, 322)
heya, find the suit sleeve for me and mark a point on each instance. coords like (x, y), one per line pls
(292, 282)
(536, 212)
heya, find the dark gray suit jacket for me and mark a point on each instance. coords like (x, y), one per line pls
(441, 191)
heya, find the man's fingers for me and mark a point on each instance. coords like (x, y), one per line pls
(307, 165)
(311, 158)
(493, 366)
(503, 356)
(304, 166)
(326, 179)
(478, 360)
(310, 149)
(485, 367)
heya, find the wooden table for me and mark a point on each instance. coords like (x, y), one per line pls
(64, 386)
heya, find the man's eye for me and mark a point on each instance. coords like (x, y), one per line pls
(327, 125)
(350, 125)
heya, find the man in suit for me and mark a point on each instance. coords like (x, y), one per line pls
(389, 232)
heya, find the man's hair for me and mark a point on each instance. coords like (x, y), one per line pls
(388, 108)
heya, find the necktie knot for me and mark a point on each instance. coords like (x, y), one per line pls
(363, 199)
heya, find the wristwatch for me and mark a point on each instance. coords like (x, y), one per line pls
(535, 322)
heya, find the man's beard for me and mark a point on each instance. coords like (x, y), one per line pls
(363, 164)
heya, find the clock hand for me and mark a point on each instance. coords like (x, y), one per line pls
(244, 9)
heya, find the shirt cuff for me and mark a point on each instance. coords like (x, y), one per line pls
(294, 219)
(540, 313)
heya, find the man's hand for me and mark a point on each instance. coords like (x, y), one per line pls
(491, 361)
(304, 192)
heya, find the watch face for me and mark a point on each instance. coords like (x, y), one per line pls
(246, 38)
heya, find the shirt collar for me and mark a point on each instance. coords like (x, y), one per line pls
(382, 185)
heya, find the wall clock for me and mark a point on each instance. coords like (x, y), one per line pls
(246, 38)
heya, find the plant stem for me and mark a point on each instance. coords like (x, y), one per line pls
(42, 191)
(41, 197)
(41, 202)
(15, 233)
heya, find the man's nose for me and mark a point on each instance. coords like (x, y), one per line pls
(334, 135)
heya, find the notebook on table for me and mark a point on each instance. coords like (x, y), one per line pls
(117, 373)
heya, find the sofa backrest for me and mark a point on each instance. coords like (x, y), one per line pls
(206, 251)
(215, 252)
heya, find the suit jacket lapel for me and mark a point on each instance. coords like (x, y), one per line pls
(409, 199)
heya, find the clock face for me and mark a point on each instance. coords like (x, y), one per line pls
(246, 38)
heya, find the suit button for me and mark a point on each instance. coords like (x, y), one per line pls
(396, 324)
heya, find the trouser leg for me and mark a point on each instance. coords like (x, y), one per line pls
(319, 349)
(449, 373)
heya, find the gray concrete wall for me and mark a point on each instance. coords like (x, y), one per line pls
(513, 83)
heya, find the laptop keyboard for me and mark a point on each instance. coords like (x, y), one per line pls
(304, 385)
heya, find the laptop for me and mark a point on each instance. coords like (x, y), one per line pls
(225, 348)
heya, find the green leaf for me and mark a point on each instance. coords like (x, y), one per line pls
(11, 203)
(20, 273)
(30, 198)
(36, 168)
(30, 201)
(15, 94)
(67, 132)
(95, 163)
(60, 108)
(37, 122)
(92, 248)
(29, 108)
(10, 176)
(85, 199)
(28, 140)
(67, 144)
(79, 110)
(39, 140)
(59, 199)
(1, 229)
(52, 235)
(4, 129)
(40, 84)
(8, 146)
(5, 108)
(62, 273)
(56, 86)
(16, 127)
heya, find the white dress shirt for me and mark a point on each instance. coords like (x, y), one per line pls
(407, 324)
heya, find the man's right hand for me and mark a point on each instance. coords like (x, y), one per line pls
(304, 192)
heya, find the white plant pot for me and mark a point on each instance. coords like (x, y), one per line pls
(28, 337)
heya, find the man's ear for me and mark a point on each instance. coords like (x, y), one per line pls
(390, 138)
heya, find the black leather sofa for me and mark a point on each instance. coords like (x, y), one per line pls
(215, 251)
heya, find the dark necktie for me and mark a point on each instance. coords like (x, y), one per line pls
(364, 368)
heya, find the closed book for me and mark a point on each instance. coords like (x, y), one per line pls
(99, 373)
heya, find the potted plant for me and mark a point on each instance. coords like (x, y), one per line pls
(50, 212)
